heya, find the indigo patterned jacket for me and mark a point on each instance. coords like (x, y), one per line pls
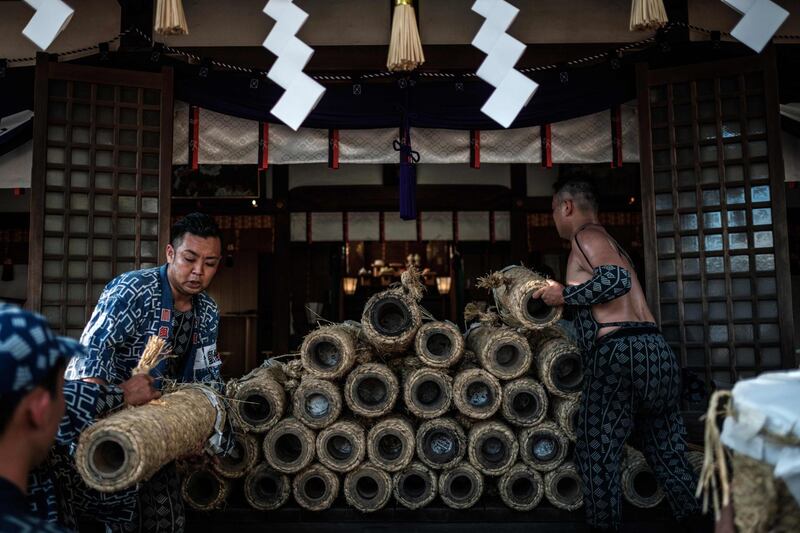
(128, 313)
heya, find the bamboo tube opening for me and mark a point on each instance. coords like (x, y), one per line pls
(492, 447)
(645, 484)
(414, 486)
(107, 457)
(543, 446)
(371, 391)
(203, 488)
(367, 488)
(441, 443)
(439, 345)
(390, 317)
(241, 458)
(390, 447)
(325, 354)
(568, 488)
(524, 402)
(521, 488)
(428, 393)
(340, 447)
(288, 448)
(461, 486)
(317, 403)
(266, 489)
(567, 373)
(536, 308)
(255, 409)
(315, 488)
(479, 394)
(507, 355)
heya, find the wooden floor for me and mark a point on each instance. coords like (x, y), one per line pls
(486, 517)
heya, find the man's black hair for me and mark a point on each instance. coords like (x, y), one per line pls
(582, 191)
(9, 402)
(198, 224)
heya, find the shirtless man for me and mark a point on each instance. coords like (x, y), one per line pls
(632, 380)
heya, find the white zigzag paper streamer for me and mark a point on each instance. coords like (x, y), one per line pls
(302, 93)
(50, 19)
(760, 21)
(513, 90)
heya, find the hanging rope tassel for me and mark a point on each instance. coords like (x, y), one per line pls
(714, 475)
(408, 174)
(170, 18)
(648, 15)
(405, 47)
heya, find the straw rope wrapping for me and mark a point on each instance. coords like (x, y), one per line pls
(330, 351)
(411, 475)
(370, 498)
(565, 413)
(512, 288)
(244, 457)
(477, 393)
(391, 318)
(492, 448)
(543, 446)
(524, 402)
(266, 489)
(501, 351)
(439, 344)
(131, 445)
(317, 403)
(371, 390)
(714, 475)
(461, 487)
(562, 487)
(646, 493)
(259, 401)
(289, 446)
(204, 490)
(306, 497)
(341, 447)
(428, 393)
(761, 502)
(560, 369)
(441, 443)
(521, 488)
(391, 443)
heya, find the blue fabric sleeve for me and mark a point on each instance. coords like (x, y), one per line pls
(607, 283)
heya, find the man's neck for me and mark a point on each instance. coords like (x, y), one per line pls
(14, 465)
(581, 222)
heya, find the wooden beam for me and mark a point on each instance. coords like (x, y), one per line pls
(380, 198)
(281, 261)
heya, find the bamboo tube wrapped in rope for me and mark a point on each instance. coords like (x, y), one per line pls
(461, 487)
(639, 484)
(204, 490)
(428, 393)
(562, 487)
(131, 445)
(391, 444)
(330, 351)
(543, 446)
(289, 446)
(565, 413)
(560, 369)
(492, 448)
(762, 502)
(414, 486)
(315, 488)
(371, 390)
(241, 459)
(391, 318)
(266, 489)
(477, 393)
(441, 443)
(317, 403)
(501, 351)
(368, 488)
(259, 400)
(521, 488)
(341, 446)
(439, 344)
(524, 402)
(512, 288)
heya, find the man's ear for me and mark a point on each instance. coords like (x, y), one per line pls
(569, 207)
(37, 405)
(170, 253)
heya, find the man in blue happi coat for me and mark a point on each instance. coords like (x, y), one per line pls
(169, 301)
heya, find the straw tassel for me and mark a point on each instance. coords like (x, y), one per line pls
(405, 47)
(170, 18)
(648, 15)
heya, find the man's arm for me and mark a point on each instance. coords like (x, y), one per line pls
(113, 321)
(610, 280)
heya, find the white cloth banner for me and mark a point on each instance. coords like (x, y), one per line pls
(229, 140)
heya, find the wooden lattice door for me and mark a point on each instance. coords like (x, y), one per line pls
(100, 185)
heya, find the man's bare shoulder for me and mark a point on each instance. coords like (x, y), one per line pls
(597, 245)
